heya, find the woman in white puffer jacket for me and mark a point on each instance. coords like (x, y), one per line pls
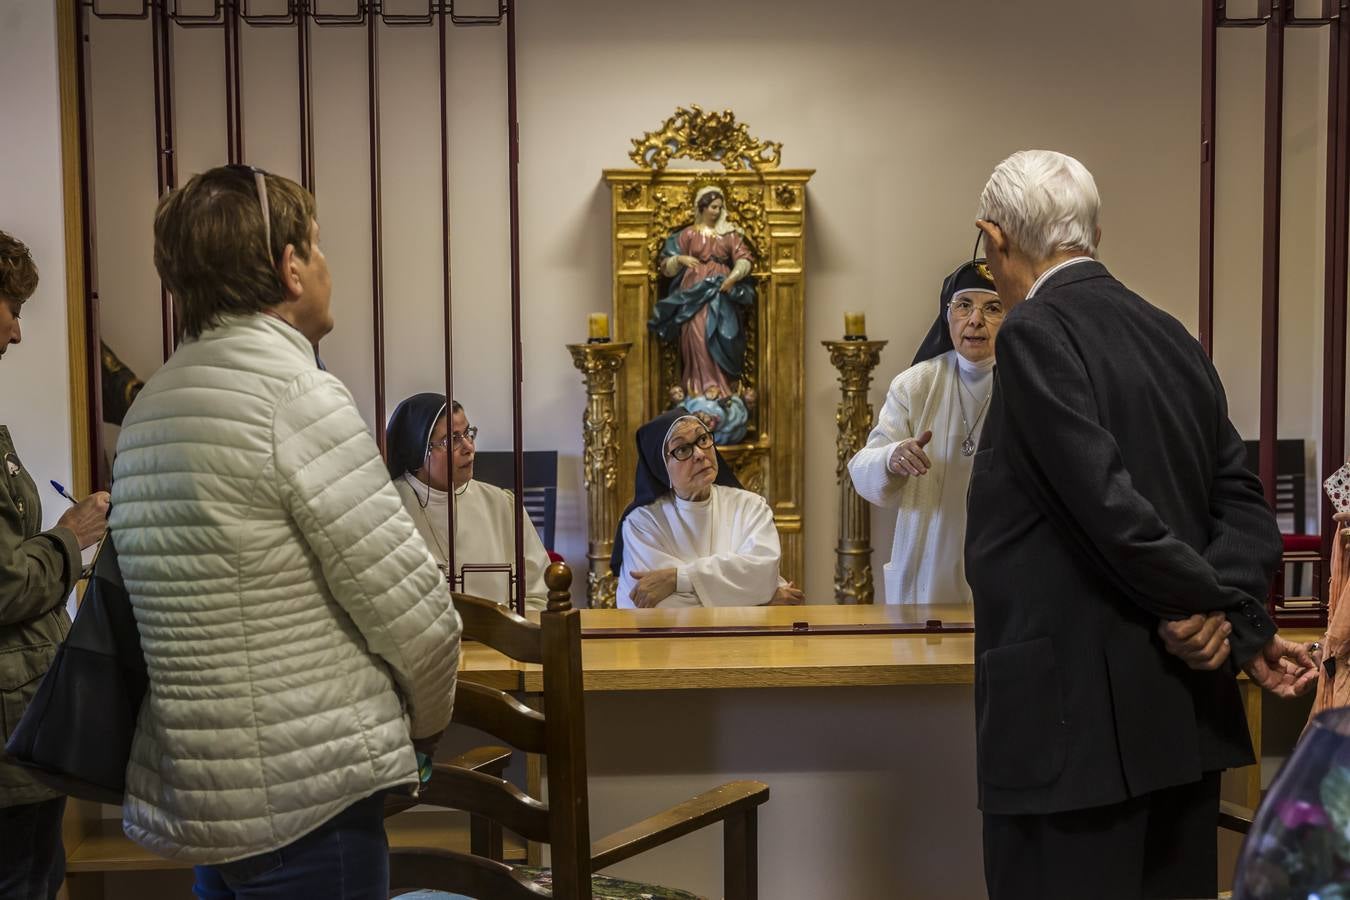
(297, 631)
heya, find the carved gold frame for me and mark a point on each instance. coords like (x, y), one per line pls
(770, 207)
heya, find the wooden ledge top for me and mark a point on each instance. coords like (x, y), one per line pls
(686, 660)
(691, 661)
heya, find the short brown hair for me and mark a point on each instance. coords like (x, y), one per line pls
(210, 244)
(18, 272)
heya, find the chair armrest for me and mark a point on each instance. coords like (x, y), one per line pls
(1234, 818)
(711, 806)
(489, 760)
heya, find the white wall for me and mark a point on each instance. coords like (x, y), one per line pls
(903, 109)
(35, 403)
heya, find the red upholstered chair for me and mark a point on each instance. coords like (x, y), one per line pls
(1300, 548)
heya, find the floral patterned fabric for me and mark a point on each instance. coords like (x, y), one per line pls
(603, 887)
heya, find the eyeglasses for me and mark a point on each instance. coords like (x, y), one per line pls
(259, 184)
(980, 266)
(684, 451)
(455, 438)
(962, 308)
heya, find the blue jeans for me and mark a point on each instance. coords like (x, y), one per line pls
(32, 860)
(346, 858)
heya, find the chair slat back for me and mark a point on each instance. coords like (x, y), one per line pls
(1291, 479)
(487, 795)
(500, 715)
(560, 733)
(501, 629)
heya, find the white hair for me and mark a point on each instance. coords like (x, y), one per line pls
(1044, 201)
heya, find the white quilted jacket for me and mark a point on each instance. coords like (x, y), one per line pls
(295, 626)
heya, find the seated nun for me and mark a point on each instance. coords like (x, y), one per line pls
(918, 458)
(692, 536)
(427, 454)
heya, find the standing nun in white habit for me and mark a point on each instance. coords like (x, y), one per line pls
(428, 453)
(918, 458)
(692, 536)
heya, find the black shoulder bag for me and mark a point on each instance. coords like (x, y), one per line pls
(75, 736)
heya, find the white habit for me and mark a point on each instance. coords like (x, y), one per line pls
(485, 532)
(928, 554)
(724, 549)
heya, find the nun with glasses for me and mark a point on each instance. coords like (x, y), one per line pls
(692, 536)
(918, 458)
(429, 455)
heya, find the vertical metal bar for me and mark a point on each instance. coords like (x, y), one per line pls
(1270, 265)
(445, 263)
(376, 216)
(1208, 78)
(517, 369)
(94, 348)
(306, 82)
(1337, 268)
(166, 166)
(234, 108)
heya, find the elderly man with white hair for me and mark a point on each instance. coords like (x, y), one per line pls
(1118, 553)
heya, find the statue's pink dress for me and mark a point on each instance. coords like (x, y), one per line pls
(716, 254)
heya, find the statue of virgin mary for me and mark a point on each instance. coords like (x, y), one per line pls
(709, 264)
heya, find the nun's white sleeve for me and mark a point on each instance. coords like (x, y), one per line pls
(873, 481)
(748, 574)
(645, 548)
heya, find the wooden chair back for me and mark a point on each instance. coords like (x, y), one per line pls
(558, 734)
(1291, 479)
(540, 499)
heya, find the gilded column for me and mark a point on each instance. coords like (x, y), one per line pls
(855, 360)
(599, 364)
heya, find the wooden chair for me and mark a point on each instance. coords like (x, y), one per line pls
(498, 467)
(559, 733)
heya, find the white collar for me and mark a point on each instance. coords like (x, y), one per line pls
(1052, 270)
(426, 494)
(683, 504)
(972, 369)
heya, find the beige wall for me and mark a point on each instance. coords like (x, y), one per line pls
(36, 402)
(902, 108)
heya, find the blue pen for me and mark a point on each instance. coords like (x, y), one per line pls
(61, 489)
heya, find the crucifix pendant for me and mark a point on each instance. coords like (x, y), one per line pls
(967, 447)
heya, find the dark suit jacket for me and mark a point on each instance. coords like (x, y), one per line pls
(1109, 492)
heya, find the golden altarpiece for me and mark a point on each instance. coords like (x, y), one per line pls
(637, 376)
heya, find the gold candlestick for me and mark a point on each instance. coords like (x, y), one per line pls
(855, 361)
(599, 364)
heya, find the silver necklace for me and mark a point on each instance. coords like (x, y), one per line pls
(968, 445)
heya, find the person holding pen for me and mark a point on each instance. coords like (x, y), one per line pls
(38, 569)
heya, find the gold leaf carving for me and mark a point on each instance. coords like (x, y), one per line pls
(751, 469)
(693, 134)
(602, 589)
